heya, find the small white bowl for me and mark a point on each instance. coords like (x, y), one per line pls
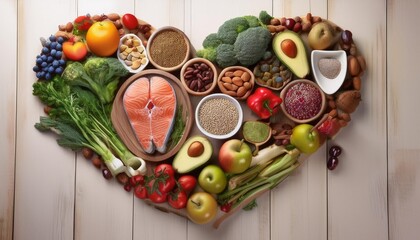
(142, 66)
(329, 85)
(224, 96)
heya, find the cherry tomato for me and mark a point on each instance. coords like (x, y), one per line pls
(178, 199)
(187, 182)
(164, 168)
(130, 21)
(226, 207)
(136, 180)
(166, 184)
(83, 23)
(140, 191)
(158, 197)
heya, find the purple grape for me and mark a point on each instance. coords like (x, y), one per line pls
(106, 173)
(335, 151)
(332, 163)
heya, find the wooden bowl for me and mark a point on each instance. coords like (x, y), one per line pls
(192, 64)
(167, 48)
(124, 129)
(227, 72)
(301, 106)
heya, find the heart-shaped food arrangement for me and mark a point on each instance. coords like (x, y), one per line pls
(268, 92)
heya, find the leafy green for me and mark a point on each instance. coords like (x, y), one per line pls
(99, 75)
(79, 117)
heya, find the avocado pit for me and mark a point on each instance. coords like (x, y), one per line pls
(195, 149)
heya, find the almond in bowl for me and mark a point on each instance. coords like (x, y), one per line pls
(236, 81)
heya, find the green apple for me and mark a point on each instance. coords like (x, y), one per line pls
(212, 179)
(304, 138)
(321, 36)
(235, 156)
(201, 207)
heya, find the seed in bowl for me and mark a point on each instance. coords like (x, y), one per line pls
(303, 101)
(168, 49)
(218, 116)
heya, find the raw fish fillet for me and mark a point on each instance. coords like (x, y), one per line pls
(150, 105)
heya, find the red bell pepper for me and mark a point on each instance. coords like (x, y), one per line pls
(264, 102)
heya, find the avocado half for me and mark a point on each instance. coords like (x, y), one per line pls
(299, 65)
(184, 162)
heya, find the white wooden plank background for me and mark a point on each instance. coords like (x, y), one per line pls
(47, 192)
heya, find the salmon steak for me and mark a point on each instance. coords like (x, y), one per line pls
(150, 106)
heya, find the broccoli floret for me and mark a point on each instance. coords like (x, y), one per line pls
(253, 21)
(226, 55)
(265, 18)
(212, 41)
(229, 30)
(251, 45)
(207, 53)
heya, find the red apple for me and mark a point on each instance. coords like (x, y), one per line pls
(235, 156)
(304, 138)
(74, 51)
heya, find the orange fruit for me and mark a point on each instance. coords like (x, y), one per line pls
(103, 38)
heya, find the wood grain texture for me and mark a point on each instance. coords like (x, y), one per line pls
(403, 127)
(8, 22)
(44, 198)
(357, 190)
(47, 192)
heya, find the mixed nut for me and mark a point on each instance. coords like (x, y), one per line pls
(132, 52)
(271, 73)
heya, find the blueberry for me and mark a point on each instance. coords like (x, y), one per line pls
(53, 52)
(53, 38)
(51, 69)
(50, 59)
(60, 40)
(62, 62)
(59, 70)
(48, 76)
(45, 50)
(55, 63)
(53, 45)
(58, 54)
(36, 69)
(39, 61)
(59, 47)
(44, 58)
(44, 64)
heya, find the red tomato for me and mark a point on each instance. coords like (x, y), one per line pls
(136, 180)
(140, 191)
(83, 23)
(130, 21)
(164, 168)
(166, 185)
(187, 182)
(178, 199)
(158, 197)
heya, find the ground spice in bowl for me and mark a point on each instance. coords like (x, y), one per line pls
(168, 49)
(303, 101)
(329, 67)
